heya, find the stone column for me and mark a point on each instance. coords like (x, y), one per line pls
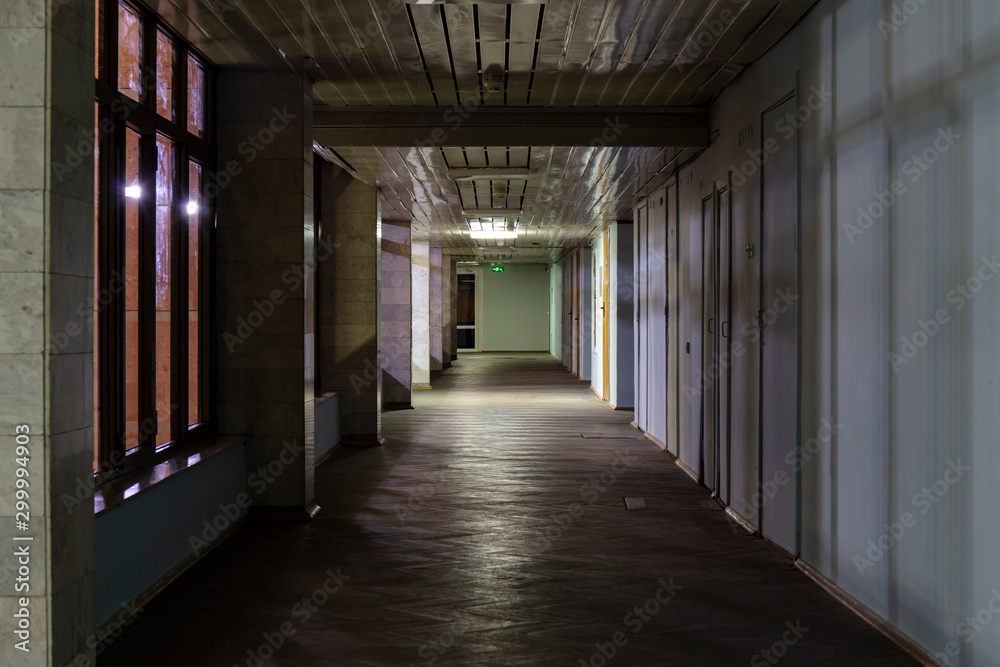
(265, 279)
(350, 303)
(436, 302)
(46, 346)
(421, 281)
(397, 312)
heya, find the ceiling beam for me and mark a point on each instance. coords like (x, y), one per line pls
(512, 126)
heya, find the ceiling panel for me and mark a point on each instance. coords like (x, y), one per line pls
(584, 54)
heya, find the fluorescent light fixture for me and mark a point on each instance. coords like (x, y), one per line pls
(479, 2)
(133, 191)
(192, 207)
(490, 173)
(492, 212)
(494, 235)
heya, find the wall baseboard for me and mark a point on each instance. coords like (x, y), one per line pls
(738, 518)
(892, 633)
(686, 468)
(321, 460)
(655, 441)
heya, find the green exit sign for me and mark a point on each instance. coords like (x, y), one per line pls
(497, 269)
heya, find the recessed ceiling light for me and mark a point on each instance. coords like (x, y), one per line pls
(494, 235)
(489, 173)
(492, 212)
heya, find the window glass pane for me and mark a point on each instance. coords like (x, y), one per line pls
(196, 98)
(133, 194)
(466, 299)
(97, 286)
(195, 216)
(98, 39)
(129, 52)
(166, 56)
(165, 178)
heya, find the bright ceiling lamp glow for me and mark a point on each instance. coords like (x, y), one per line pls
(192, 207)
(133, 191)
(494, 235)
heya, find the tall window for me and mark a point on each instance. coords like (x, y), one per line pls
(152, 157)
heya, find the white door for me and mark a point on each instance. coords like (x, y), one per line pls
(779, 337)
(706, 388)
(656, 324)
(642, 315)
(673, 357)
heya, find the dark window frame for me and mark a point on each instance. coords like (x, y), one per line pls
(119, 113)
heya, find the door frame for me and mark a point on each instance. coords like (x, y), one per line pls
(709, 203)
(477, 272)
(789, 91)
(606, 317)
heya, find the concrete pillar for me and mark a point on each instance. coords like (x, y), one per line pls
(350, 304)
(265, 276)
(397, 312)
(421, 281)
(437, 351)
(46, 380)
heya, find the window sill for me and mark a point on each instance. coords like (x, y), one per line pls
(119, 491)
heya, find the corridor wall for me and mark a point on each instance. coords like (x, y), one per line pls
(851, 202)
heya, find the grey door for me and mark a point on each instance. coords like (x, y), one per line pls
(779, 332)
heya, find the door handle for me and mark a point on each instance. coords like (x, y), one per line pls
(724, 333)
(710, 320)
